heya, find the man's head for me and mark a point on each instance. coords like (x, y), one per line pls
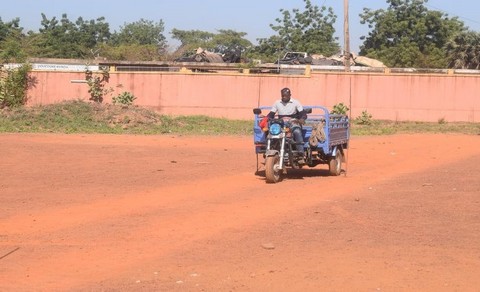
(285, 94)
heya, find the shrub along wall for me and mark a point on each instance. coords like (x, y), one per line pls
(401, 97)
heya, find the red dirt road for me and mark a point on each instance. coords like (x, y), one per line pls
(163, 213)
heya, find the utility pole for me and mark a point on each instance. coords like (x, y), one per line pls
(347, 69)
(346, 36)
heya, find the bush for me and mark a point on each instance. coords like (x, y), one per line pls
(124, 98)
(96, 85)
(340, 109)
(13, 86)
(364, 119)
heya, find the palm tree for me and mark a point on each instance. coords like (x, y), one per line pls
(463, 50)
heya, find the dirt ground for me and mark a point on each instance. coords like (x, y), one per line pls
(173, 213)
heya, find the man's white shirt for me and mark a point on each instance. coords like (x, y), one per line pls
(287, 108)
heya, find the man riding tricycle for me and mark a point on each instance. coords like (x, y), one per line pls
(294, 136)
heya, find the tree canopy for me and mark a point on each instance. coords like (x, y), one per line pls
(142, 32)
(142, 40)
(463, 51)
(9, 28)
(11, 39)
(226, 40)
(407, 34)
(309, 30)
(66, 39)
(192, 39)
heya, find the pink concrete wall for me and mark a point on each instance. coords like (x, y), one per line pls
(386, 96)
(51, 87)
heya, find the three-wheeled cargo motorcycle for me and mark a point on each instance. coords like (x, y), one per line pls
(325, 138)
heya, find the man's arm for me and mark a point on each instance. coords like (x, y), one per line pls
(301, 113)
(273, 111)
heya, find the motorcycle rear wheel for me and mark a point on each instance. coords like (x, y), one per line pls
(335, 164)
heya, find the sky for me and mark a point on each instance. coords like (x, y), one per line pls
(249, 16)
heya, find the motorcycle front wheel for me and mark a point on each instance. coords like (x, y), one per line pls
(272, 173)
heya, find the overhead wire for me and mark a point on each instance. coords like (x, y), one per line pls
(446, 12)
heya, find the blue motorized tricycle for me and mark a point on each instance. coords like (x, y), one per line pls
(325, 138)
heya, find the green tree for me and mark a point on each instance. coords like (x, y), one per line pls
(310, 30)
(222, 42)
(67, 39)
(132, 52)
(463, 51)
(142, 32)
(407, 34)
(190, 40)
(142, 40)
(92, 34)
(227, 40)
(11, 42)
(9, 28)
(12, 49)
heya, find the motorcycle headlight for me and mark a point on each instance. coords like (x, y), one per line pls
(275, 129)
